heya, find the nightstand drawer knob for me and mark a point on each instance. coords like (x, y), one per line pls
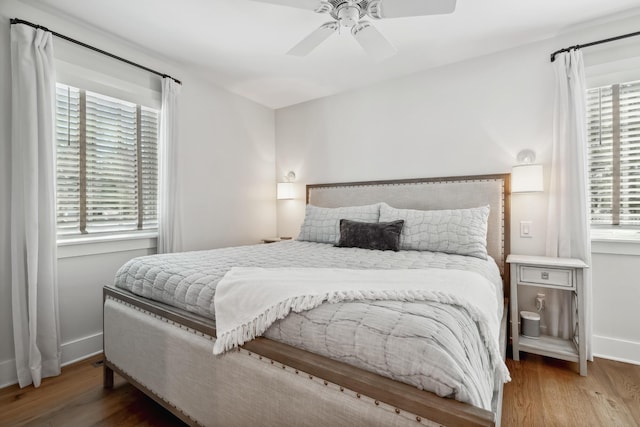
(544, 275)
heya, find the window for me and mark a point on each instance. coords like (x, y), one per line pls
(613, 132)
(107, 163)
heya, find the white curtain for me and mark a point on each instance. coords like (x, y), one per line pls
(169, 233)
(34, 276)
(569, 216)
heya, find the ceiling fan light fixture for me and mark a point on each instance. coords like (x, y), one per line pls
(348, 15)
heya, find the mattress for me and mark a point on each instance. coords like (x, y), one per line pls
(432, 346)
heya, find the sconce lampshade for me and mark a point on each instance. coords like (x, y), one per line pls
(526, 179)
(284, 191)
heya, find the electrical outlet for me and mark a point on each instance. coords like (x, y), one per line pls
(526, 229)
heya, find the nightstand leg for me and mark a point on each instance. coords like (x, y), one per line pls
(582, 334)
(515, 333)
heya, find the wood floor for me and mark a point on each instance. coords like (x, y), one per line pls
(544, 392)
(549, 392)
(76, 399)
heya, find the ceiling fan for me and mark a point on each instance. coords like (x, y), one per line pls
(350, 13)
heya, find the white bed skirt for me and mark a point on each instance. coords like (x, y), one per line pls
(235, 389)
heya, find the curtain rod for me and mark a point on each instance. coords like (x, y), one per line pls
(580, 46)
(62, 36)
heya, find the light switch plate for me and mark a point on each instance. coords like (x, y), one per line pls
(526, 229)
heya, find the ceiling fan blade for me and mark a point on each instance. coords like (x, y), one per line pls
(314, 39)
(319, 6)
(401, 8)
(372, 41)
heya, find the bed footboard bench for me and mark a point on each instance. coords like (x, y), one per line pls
(264, 382)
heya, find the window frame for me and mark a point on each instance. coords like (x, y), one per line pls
(618, 114)
(81, 234)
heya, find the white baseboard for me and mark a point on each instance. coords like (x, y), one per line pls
(72, 352)
(82, 348)
(616, 349)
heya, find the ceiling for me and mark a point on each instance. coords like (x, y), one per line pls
(242, 43)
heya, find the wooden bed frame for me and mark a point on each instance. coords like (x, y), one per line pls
(416, 407)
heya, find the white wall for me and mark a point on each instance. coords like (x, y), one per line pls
(463, 119)
(616, 294)
(467, 118)
(81, 279)
(226, 181)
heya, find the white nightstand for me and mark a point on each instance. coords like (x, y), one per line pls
(565, 274)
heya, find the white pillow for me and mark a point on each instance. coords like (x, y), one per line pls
(322, 225)
(454, 231)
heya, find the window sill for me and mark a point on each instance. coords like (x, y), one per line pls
(77, 246)
(620, 242)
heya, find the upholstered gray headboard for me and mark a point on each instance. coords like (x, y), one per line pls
(431, 194)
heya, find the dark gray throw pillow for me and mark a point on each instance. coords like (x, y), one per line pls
(382, 236)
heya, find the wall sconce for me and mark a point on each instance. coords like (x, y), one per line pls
(526, 177)
(285, 189)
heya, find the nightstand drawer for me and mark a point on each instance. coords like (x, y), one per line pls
(547, 276)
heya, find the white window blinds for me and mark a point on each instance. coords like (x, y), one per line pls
(613, 131)
(106, 163)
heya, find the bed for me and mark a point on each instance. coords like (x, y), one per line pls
(161, 338)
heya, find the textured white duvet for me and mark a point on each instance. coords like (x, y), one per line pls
(432, 345)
